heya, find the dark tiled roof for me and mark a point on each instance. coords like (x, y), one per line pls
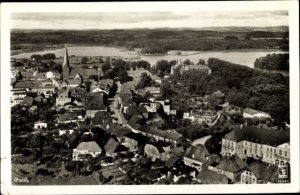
(197, 153)
(28, 101)
(27, 84)
(141, 139)
(68, 116)
(171, 161)
(258, 135)
(232, 164)
(111, 146)
(117, 130)
(84, 72)
(264, 172)
(210, 177)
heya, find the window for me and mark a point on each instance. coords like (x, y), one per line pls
(280, 152)
(285, 153)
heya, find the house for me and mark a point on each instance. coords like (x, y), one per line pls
(250, 113)
(73, 82)
(211, 177)
(155, 151)
(27, 101)
(95, 104)
(257, 173)
(136, 75)
(17, 96)
(39, 125)
(62, 97)
(231, 167)
(133, 141)
(169, 136)
(85, 73)
(269, 145)
(195, 156)
(110, 147)
(154, 104)
(201, 116)
(27, 84)
(69, 117)
(46, 90)
(200, 68)
(65, 130)
(84, 149)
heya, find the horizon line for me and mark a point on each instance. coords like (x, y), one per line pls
(199, 28)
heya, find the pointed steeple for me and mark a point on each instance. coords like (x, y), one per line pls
(66, 65)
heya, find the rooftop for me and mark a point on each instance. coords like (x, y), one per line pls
(258, 135)
(232, 164)
(90, 146)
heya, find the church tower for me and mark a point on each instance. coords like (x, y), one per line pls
(66, 65)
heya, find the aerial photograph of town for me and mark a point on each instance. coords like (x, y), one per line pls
(144, 98)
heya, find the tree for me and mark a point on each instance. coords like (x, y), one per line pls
(145, 81)
(49, 56)
(187, 62)
(166, 89)
(123, 76)
(162, 68)
(84, 60)
(36, 57)
(201, 61)
(18, 64)
(105, 67)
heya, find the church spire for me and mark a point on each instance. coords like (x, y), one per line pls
(66, 64)
(66, 58)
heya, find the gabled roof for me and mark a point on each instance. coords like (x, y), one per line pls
(28, 101)
(197, 153)
(232, 164)
(67, 116)
(258, 135)
(253, 112)
(211, 177)
(264, 172)
(73, 81)
(84, 72)
(171, 161)
(111, 146)
(90, 146)
(117, 130)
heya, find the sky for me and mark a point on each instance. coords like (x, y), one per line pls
(127, 20)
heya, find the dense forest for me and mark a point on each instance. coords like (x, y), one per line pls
(152, 41)
(243, 86)
(273, 61)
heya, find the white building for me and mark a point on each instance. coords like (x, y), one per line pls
(250, 113)
(39, 125)
(84, 149)
(268, 145)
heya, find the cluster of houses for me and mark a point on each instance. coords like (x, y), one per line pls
(141, 131)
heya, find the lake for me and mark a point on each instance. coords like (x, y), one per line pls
(243, 57)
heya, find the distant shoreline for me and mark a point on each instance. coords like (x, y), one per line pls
(171, 52)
